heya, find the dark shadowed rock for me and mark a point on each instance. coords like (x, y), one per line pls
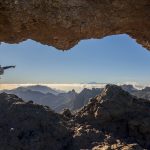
(27, 126)
(67, 113)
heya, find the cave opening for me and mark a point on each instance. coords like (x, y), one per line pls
(44, 81)
(113, 59)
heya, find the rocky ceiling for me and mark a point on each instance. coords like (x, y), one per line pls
(63, 23)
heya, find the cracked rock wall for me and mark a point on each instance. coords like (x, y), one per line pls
(63, 23)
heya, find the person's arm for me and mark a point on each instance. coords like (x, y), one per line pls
(7, 67)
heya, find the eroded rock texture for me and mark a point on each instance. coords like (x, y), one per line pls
(63, 23)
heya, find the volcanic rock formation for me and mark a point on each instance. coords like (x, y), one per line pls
(112, 120)
(63, 23)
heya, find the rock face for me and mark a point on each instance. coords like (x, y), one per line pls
(118, 114)
(63, 23)
(26, 126)
(112, 120)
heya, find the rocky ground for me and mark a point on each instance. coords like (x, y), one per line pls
(112, 120)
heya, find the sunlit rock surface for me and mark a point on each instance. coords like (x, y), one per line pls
(63, 23)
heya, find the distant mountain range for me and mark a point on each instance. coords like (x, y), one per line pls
(59, 100)
(143, 93)
(129, 88)
(93, 82)
(55, 99)
(39, 88)
(43, 95)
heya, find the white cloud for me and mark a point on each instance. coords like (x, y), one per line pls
(66, 87)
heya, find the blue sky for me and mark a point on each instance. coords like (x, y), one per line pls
(113, 59)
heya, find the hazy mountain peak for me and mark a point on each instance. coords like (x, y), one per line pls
(38, 88)
(128, 88)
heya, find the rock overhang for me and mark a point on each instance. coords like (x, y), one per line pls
(63, 23)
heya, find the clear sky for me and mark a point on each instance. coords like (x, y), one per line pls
(113, 59)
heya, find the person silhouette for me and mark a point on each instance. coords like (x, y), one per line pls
(2, 69)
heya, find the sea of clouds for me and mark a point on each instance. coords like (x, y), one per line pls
(67, 87)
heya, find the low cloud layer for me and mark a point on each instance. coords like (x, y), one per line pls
(67, 87)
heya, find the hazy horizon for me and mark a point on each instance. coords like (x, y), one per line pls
(67, 87)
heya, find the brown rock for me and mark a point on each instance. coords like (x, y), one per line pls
(63, 23)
